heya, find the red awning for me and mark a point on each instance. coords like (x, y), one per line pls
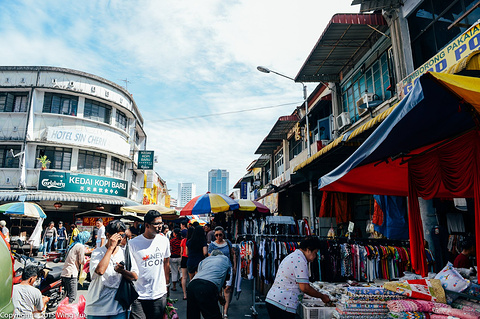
(343, 42)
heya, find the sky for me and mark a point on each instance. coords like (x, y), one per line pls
(190, 67)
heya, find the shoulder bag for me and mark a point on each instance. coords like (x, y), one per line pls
(126, 293)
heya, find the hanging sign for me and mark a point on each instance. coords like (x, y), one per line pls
(81, 183)
(456, 50)
(145, 159)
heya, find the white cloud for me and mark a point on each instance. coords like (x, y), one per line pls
(182, 58)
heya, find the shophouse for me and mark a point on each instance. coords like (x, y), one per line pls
(362, 65)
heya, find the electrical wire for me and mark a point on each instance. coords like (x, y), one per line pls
(225, 113)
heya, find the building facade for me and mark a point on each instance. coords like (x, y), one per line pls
(361, 67)
(86, 130)
(218, 180)
(186, 191)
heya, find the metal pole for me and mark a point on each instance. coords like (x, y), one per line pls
(309, 152)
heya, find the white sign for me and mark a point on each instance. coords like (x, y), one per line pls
(351, 226)
(89, 137)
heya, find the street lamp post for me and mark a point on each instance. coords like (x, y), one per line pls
(309, 152)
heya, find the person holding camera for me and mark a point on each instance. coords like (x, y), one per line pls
(106, 270)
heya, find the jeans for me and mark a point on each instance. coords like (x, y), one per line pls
(47, 244)
(147, 309)
(122, 315)
(202, 297)
(70, 285)
(62, 243)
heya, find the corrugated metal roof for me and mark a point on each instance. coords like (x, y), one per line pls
(344, 41)
(8, 196)
(278, 133)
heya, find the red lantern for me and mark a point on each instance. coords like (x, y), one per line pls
(57, 205)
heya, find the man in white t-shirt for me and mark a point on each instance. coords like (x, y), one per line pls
(150, 253)
(100, 233)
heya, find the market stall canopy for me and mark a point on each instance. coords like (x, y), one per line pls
(426, 148)
(99, 213)
(437, 108)
(143, 209)
(209, 203)
(248, 205)
(23, 210)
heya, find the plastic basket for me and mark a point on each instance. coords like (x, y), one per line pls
(316, 312)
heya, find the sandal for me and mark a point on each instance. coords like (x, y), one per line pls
(173, 289)
(184, 298)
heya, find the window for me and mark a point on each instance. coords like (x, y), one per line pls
(137, 138)
(121, 120)
(295, 147)
(60, 104)
(59, 157)
(134, 178)
(376, 79)
(428, 26)
(92, 162)
(278, 163)
(13, 101)
(117, 167)
(97, 111)
(7, 160)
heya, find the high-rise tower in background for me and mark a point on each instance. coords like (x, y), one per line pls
(218, 181)
(186, 191)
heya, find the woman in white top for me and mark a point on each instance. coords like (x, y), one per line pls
(106, 271)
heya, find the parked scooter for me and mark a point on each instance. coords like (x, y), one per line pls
(48, 282)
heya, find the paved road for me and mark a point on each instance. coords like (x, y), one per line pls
(239, 308)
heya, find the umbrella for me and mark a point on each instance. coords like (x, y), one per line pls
(196, 218)
(23, 209)
(143, 209)
(209, 203)
(247, 205)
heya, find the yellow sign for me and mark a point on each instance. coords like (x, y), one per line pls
(167, 201)
(459, 48)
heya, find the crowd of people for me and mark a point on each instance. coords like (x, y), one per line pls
(156, 258)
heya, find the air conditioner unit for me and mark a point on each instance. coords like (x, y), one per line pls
(343, 120)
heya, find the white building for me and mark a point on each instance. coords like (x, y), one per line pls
(90, 129)
(186, 191)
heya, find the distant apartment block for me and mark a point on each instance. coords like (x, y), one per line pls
(218, 181)
(186, 191)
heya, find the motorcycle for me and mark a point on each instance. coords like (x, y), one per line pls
(48, 282)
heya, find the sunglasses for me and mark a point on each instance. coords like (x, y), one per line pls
(157, 224)
(218, 235)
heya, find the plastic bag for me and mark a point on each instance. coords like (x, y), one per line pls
(71, 311)
(82, 276)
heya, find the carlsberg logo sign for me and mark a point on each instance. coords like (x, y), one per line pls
(82, 183)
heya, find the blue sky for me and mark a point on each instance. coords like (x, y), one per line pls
(182, 59)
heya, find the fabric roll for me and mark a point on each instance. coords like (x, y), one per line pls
(412, 305)
(409, 315)
(460, 313)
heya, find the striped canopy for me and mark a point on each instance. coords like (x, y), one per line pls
(209, 203)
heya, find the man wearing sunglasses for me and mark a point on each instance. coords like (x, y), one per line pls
(150, 253)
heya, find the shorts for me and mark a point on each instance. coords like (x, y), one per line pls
(192, 269)
(183, 262)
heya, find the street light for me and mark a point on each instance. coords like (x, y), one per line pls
(309, 152)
